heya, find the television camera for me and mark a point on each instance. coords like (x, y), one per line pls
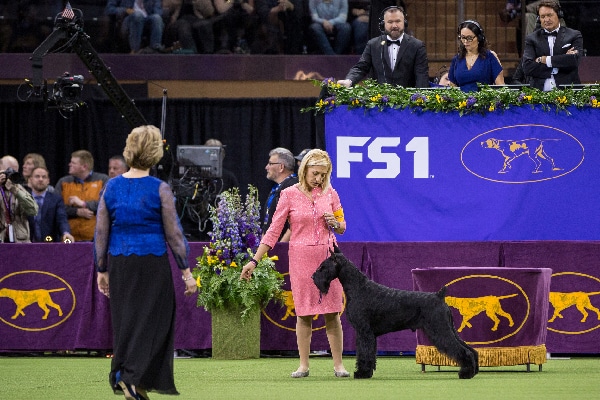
(197, 187)
(66, 92)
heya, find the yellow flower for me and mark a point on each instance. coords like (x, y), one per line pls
(528, 97)
(355, 102)
(462, 104)
(419, 100)
(198, 282)
(233, 264)
(376, 98)
(562, 100)
(596, 103)
(439, 98)
(274, 258)
(492, 107)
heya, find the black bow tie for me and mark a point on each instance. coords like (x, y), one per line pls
(391, 42)
(553, 33)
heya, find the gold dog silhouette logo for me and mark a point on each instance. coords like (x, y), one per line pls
(522, 154)
(573, 311)
(470, 307)
(488, 318)
(41, 300)
(280, 316)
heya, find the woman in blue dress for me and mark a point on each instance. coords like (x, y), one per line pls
(474, 63)
(136, 219)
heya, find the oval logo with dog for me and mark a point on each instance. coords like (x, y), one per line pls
(35, 300)
(498, 312)
(574, 303)
(522, 154)
(285, 317)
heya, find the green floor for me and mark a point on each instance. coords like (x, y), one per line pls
(268, 378)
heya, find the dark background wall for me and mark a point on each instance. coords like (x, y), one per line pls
(248, 127)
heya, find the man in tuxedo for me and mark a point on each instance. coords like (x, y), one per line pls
(394, 57)
(552, 54)
(50, 224)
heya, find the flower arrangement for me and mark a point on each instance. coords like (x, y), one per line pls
(372, 95)
(234, 239)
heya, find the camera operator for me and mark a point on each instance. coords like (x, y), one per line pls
(17, 204)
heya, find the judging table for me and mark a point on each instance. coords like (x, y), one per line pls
(501, 312)
(65, 272)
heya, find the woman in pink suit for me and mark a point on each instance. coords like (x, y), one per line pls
(314, 212)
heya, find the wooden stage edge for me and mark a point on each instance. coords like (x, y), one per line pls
(219, 76)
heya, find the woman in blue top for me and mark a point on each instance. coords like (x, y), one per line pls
(136, 218)
(474, 63)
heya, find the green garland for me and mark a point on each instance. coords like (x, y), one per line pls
(372, 95)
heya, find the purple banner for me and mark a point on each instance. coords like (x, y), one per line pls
(492, 307)
(61, 278)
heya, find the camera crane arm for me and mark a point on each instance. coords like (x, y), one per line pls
(72, 29)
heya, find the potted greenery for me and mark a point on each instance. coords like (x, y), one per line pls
(235, 304)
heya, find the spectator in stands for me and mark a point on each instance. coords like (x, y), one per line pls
(280, 170)
(117, 166)
(80, 191)
(300, 156)
(551, 56)
(192, 23)
(51, 223)
(136, 16)
(329, 25)
(360, 27)
(474, 63)
(394, 57)
(235, 32)
(16, 204)
(511, 10)
(441, 79)
(30, 162)
(280, 28)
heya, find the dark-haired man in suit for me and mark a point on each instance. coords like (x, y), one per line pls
(552, 54)
(395, 57)
(50, 224)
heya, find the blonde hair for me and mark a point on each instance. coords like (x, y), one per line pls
(85, 157)
(37, 159)
(143, 147)
(315, 158)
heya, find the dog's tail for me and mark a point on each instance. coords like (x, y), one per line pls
(441, 293)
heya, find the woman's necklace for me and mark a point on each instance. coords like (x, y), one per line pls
(470, 59)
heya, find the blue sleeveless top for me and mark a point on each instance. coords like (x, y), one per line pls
(134, 207)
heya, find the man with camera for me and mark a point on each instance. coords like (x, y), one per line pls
(16, 204)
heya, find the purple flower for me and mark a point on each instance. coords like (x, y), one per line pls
(471, 100)
(385, 99)
(414, 96)
(327, 81)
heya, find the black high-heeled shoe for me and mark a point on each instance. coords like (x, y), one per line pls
(127, 389)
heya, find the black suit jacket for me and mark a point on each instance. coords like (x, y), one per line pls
(411, 70)
(290, 181)
(536, 45)
(54, 219)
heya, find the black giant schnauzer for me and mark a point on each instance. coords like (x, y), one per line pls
(374, 310)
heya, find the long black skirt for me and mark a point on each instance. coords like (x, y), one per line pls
(142, 307)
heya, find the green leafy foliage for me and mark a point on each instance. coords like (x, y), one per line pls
(372, 95)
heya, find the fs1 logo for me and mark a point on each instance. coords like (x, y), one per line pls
(381, 150)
